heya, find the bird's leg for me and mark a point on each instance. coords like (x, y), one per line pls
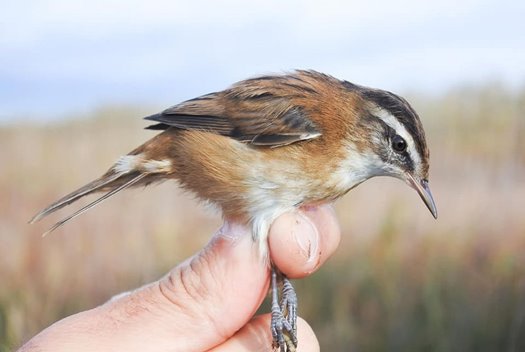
(284, 314)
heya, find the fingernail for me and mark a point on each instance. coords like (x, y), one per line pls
(307, 236)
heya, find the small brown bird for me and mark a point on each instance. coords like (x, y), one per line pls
(268, 145)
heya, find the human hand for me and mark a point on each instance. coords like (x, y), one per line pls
(207, 302)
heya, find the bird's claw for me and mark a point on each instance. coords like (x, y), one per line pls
(284, 315)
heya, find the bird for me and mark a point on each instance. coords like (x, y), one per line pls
(268, 145)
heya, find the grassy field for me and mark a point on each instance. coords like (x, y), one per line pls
(400, 281)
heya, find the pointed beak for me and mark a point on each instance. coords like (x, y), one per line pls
(421, 186)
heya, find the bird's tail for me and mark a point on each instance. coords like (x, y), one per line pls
(110, 183)
(134, 169)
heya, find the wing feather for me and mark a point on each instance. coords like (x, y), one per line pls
(265, 111)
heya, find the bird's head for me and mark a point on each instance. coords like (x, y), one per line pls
(392, 140)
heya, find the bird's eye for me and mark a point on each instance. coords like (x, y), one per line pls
(399, 144)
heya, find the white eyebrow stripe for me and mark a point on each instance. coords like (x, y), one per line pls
(400, 129)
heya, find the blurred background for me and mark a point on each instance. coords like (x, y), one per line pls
(77, 76)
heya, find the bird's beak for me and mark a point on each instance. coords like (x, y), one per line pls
(421, 186)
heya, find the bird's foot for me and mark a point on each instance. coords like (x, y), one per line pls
(284, 315)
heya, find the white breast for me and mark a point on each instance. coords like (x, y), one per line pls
(280, 187)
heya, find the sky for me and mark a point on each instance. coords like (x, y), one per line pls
(59, 58)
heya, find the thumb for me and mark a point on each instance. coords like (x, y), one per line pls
(214, 293)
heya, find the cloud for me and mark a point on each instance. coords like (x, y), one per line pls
(162, 51)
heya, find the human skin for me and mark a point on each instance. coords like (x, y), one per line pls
(207, 302)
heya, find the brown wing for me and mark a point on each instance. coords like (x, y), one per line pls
(264, 111)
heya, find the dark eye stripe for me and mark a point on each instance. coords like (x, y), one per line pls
(388, 134)
(403, 112)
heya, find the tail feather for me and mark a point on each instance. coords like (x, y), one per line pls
(112, 182)
(130, 182)
(94, 186)
(146, 164)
